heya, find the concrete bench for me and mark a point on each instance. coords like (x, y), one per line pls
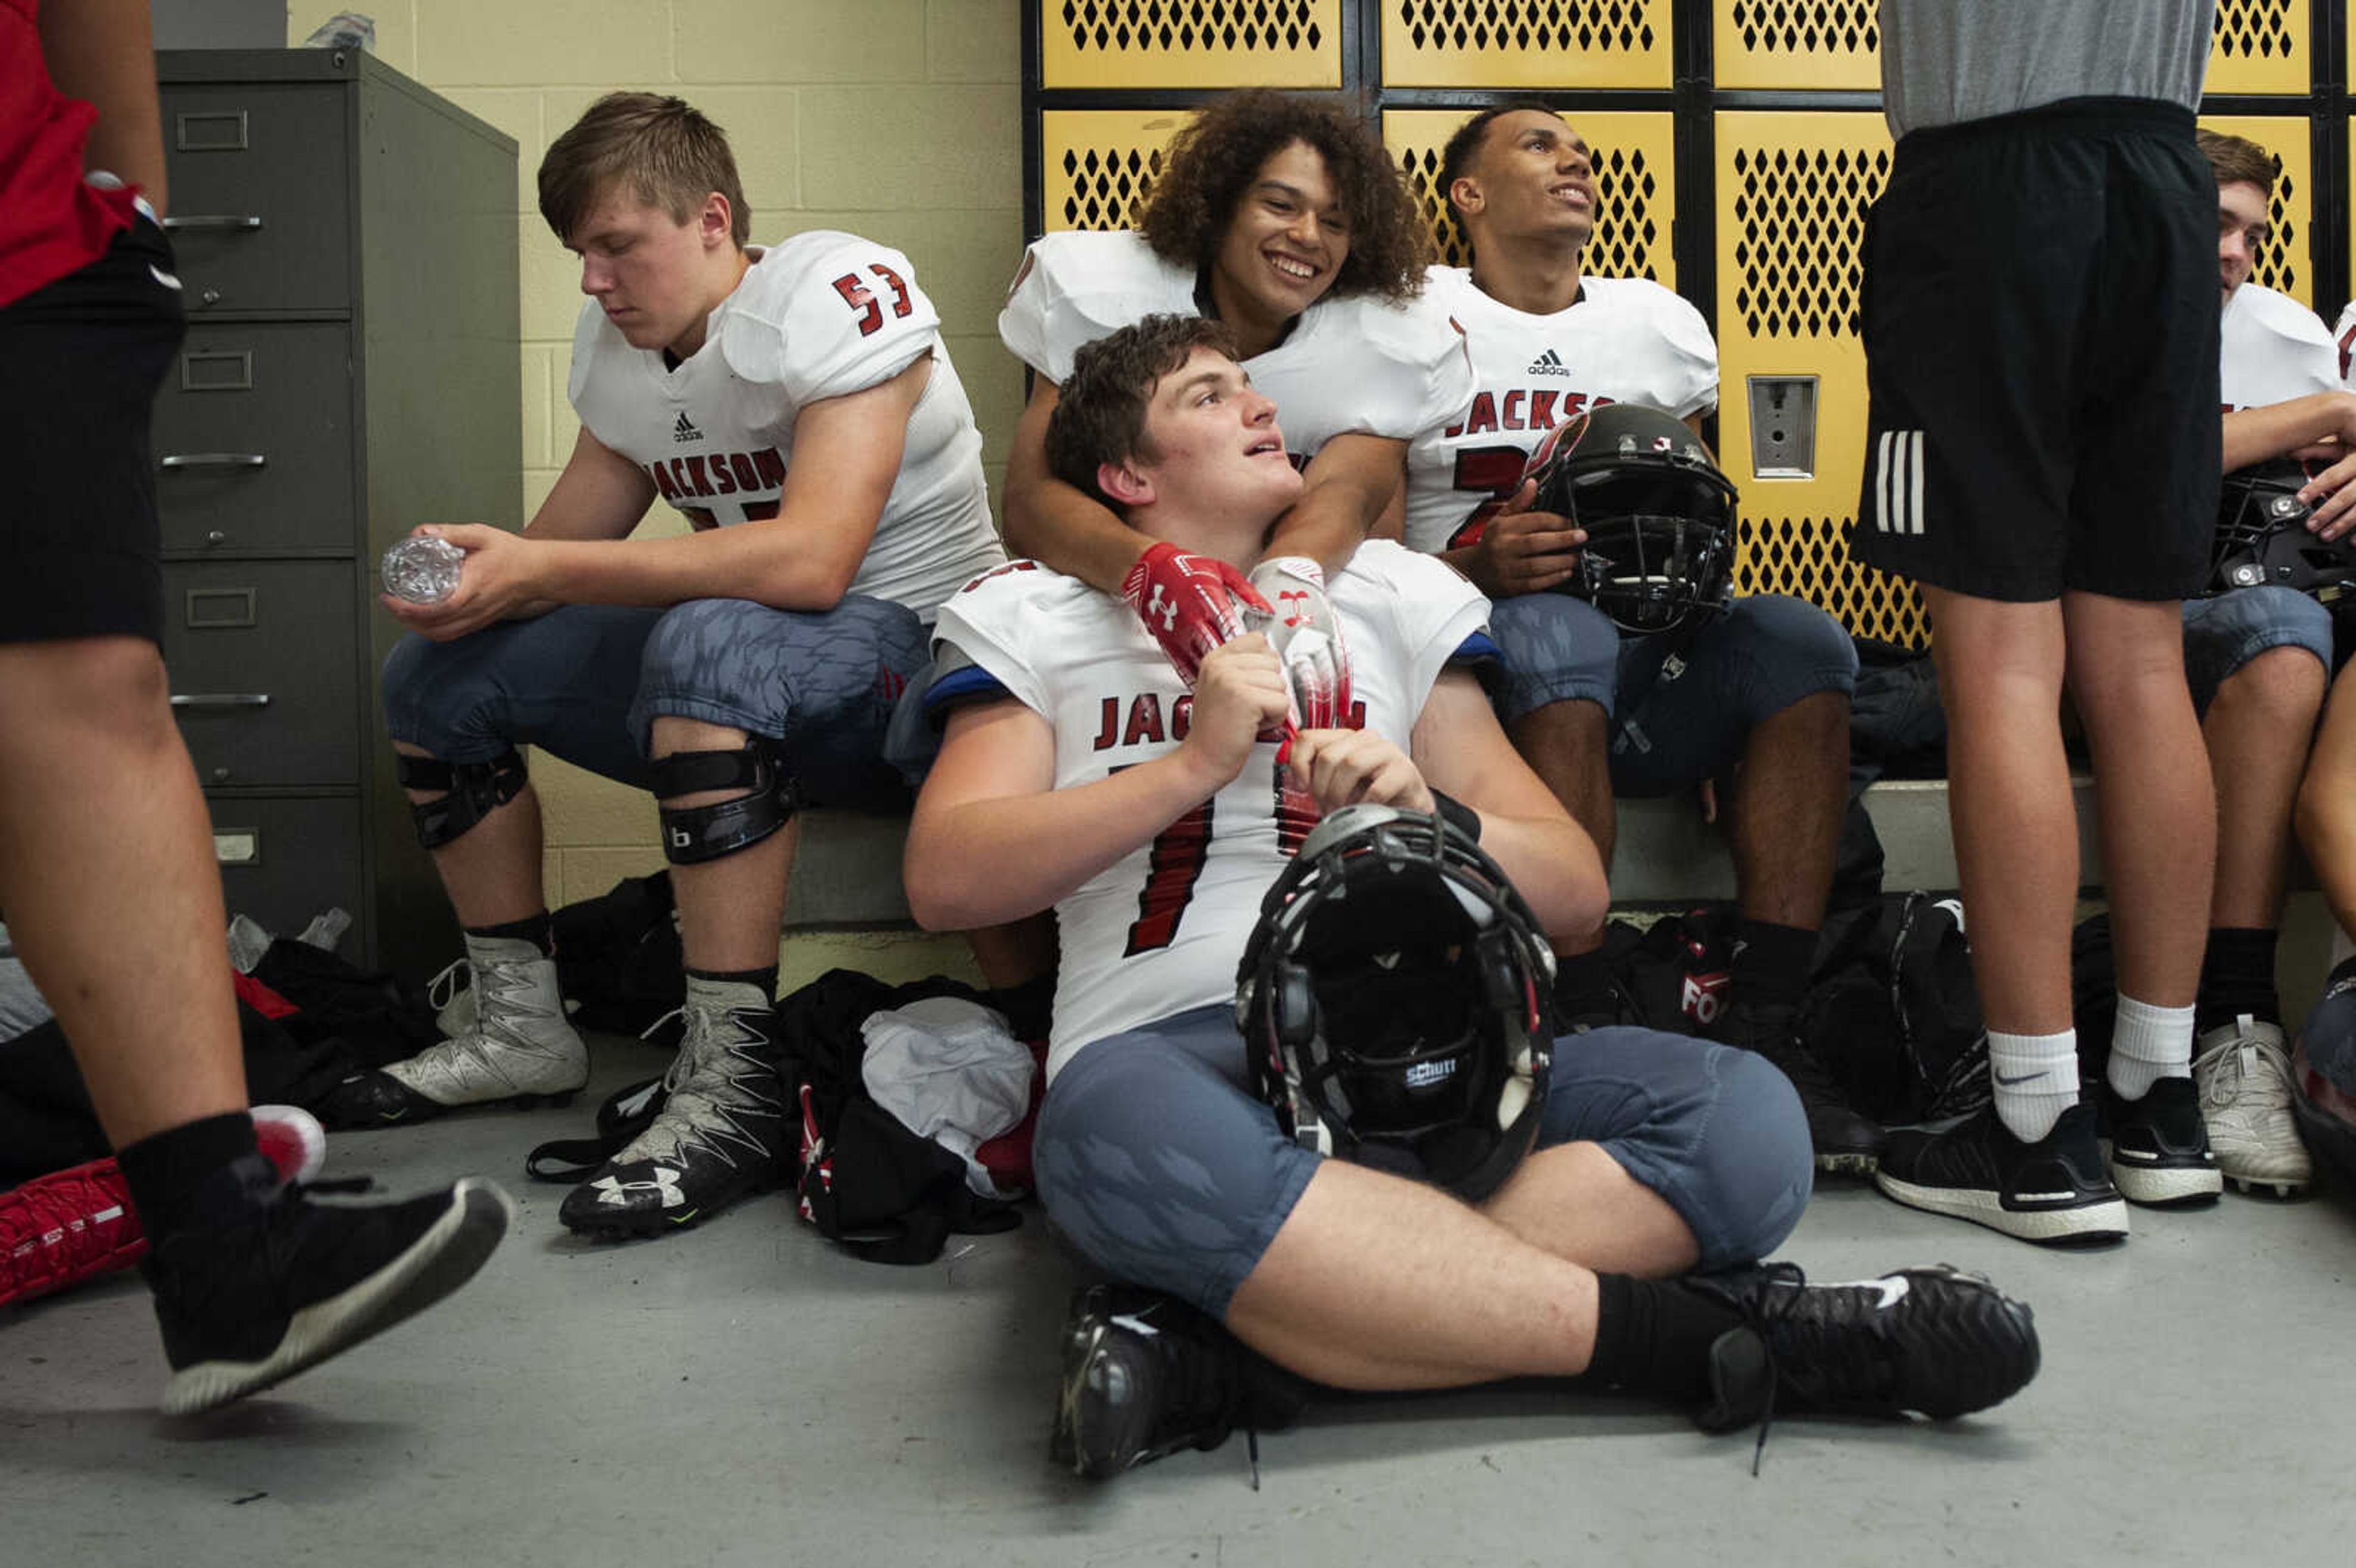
(848, 872)
(846, 906)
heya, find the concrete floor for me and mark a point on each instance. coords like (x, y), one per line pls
(745, 1394)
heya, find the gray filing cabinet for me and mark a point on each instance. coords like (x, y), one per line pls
(348, 245)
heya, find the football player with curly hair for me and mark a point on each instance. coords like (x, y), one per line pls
(1285, 220)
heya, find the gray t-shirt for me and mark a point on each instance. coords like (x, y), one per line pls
(1943, 61)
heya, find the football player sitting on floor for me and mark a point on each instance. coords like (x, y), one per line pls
(794, 404)
(1405, 1022)
(1286, 220)
(1684, 689)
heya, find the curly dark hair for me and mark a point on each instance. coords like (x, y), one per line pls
(1099, 417)
(1215, 159)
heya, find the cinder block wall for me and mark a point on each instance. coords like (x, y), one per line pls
(895, 119)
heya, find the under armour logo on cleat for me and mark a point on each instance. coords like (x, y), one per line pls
(614, 1191)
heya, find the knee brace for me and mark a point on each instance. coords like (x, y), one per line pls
(473, 790)
(695, 834)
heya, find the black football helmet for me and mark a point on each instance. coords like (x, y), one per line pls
(1658, 514)
(2262, 536)
(1393, 1001)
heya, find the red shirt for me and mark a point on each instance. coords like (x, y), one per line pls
(52, 221)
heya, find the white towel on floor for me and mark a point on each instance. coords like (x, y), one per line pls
(952, 1072)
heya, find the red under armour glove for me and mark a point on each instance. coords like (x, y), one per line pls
(66, 1227)
(73, 1225)
(1190, 603)
(1308, 639)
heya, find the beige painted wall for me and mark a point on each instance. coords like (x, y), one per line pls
(896, 119)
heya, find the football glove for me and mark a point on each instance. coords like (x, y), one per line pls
(1308, 639)
(1191, 603)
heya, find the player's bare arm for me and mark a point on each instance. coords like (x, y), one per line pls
(992, 839)
(1054, 523)
(601, 494)
(97, 51)
(846, 456)
(2285, 429)
(1461, 750)
(2319, 428)
(1349, 486)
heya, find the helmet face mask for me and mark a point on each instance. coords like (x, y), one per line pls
(1392, 1002)
(2262, 536)
(1658, 515)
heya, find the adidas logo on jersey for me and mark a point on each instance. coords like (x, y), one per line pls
(685, 428)
(1547, 364)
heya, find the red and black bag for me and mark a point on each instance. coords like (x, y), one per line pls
(865, 1180)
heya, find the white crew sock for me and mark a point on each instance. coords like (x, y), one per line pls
(2035, 1077)
(2148, 1044)
(2344, 947)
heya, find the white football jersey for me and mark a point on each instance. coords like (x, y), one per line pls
(1628, 340)
(822, 315)
(2271, 348)
(2344, 331)
(1161, 930)
(1348, 366)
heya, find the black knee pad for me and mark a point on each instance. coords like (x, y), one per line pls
(695, 834)
(474, 791)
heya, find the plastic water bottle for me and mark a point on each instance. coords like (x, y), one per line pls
(422, 568)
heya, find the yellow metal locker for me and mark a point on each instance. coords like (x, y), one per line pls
(1190, 43)
(1096, 164)
(2285, 265)
(1636, 177)
(1508, 44)
(1810, 43)
(2260, 45)
(1792, 191)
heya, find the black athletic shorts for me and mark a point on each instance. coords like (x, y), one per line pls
(79, 362)
(2040, 309)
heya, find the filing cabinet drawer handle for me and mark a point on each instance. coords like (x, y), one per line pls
(220, 699)
(214, 459)
(212, 220)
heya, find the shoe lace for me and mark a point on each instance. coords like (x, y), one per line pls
(1821, 1341)
(2225, 1068)
(1764, 1309)
(1206, 1399)
(497, 985)
(706, 1065)
(1965, 1087)
(444, 988)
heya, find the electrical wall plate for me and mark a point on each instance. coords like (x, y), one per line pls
(1782, 427)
